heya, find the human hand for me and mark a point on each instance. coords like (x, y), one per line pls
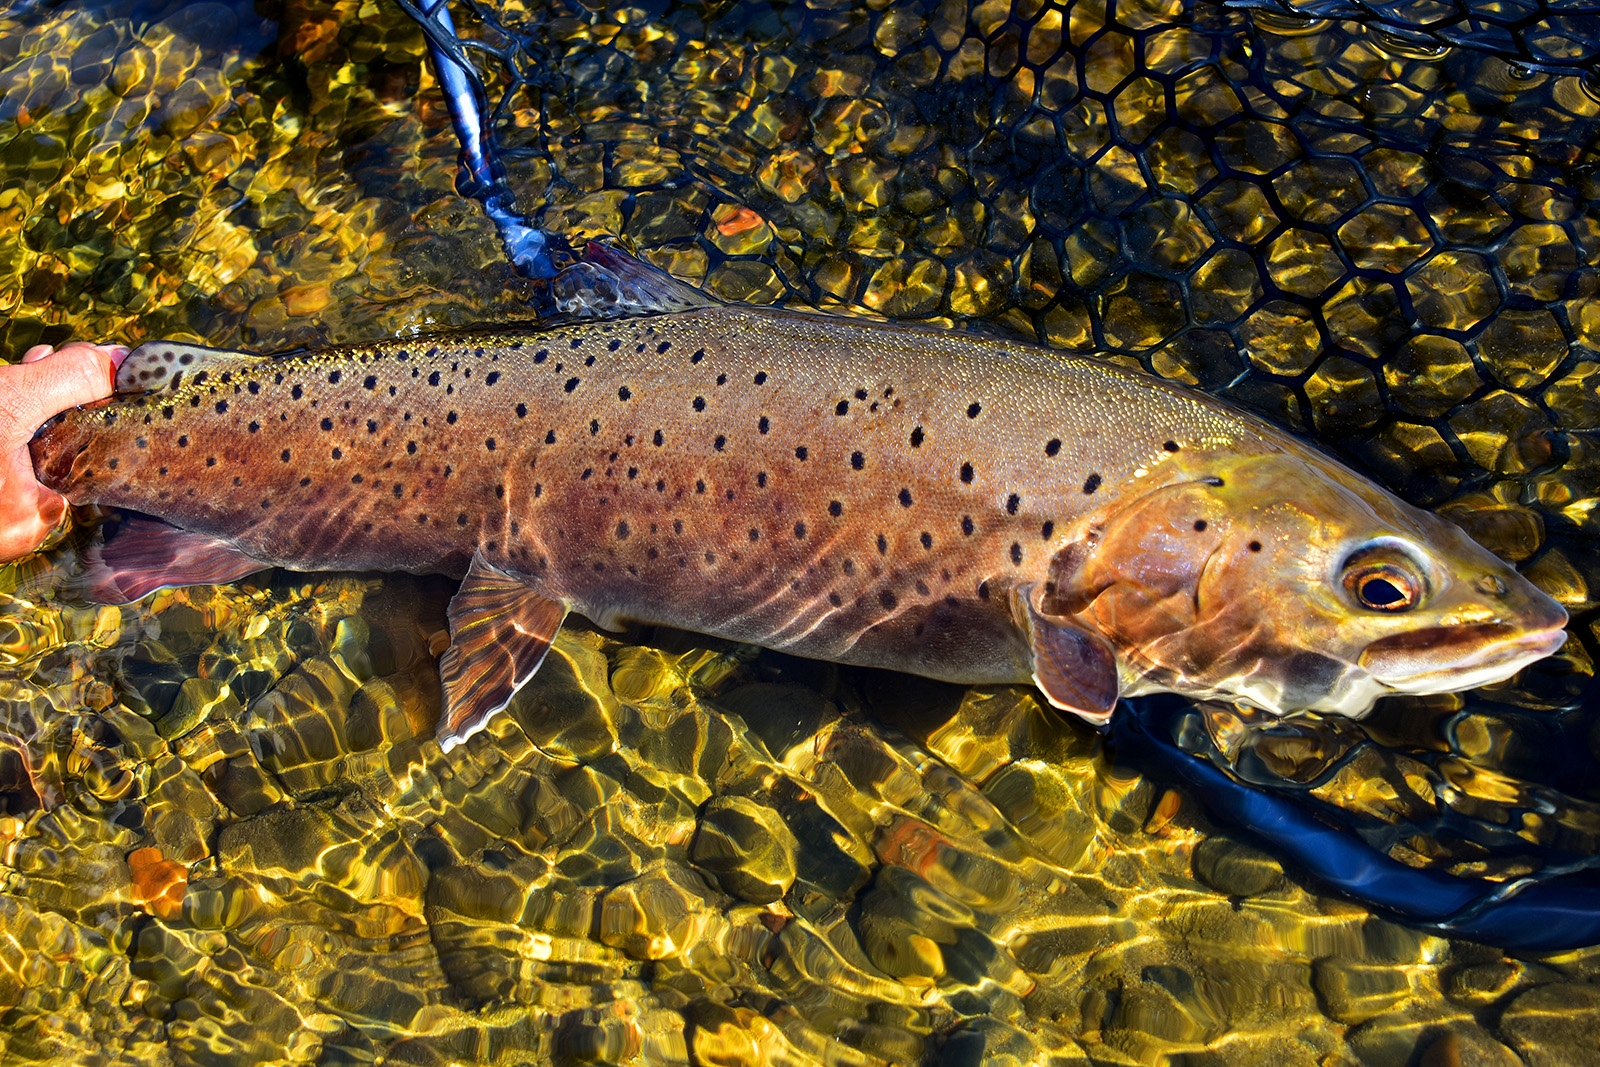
(45, 383)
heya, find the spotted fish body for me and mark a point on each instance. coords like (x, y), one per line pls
(952, 505)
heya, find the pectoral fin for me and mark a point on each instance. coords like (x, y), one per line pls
(1073, 667)
(500, 631)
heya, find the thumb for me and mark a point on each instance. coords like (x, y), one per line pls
(32, 392)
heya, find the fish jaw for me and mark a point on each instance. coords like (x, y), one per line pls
(1443, 660)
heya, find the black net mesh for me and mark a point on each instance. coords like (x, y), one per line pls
(1383, 241)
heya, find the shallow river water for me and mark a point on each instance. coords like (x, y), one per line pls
(226, 834)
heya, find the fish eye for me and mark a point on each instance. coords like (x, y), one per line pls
(1380, 578)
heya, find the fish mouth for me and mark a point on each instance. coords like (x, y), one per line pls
(1441, 659)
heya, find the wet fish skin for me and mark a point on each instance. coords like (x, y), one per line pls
(961, 507)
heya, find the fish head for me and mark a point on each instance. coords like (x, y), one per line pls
(1291, 584)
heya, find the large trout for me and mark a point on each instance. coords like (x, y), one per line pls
(967, 508)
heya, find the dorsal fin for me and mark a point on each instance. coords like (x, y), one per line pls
(609, 283)
(166, 366)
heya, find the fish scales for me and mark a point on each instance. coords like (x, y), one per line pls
(681, 470)
(846, 489)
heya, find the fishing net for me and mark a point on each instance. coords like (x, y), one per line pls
(1373, 223)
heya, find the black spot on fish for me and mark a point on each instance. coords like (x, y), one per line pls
(857, 460)
(699, 485)
(572, 383)
(305, 482)
(1052, 447)
(861, 394)
(490, 443)
(905, 497)
(834, 599)
(372, 425)
(800, 453)
(370, 382)
(253, 427)
(1046, 530)
(842, 408)
(538, 490)
(883, 545)
(622, 530)
(800, 531)
(333, 377)
(449, 417)
(141, 443)
(285, 455)
(254, 387)
(973, 409)
(926, 539)
(1091, 483)
(763, 425)
(1255, 546)
(166, 412)
(1016, 553)
(761, 479)
(588, 472)
(399, 490)
(699, 403)
(677, 526)
(966, 472)
(594, 429)
(183, 441)
(541, 355)
(615, 344)
(522, 411)
(1170, 446)
(500, 494)
(835, 508)
(849, 567)
(577, 343)
(411, 447)
(327, 424)
(720, 442)
(1012, 503)
(966, 525)
(722, 379)
(624, 393)
(1199, 525)
(916, 437)
(356, 479)
(492, 377)
(338, 453)
(589, 362)
(222, 407)
(761, 377)
(755, 534)
(888, 600)
(657, 439)
(662, 348)
(422, 519)
(296, 393)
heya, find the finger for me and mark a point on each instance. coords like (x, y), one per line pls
(36, 353)
(32, 392)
